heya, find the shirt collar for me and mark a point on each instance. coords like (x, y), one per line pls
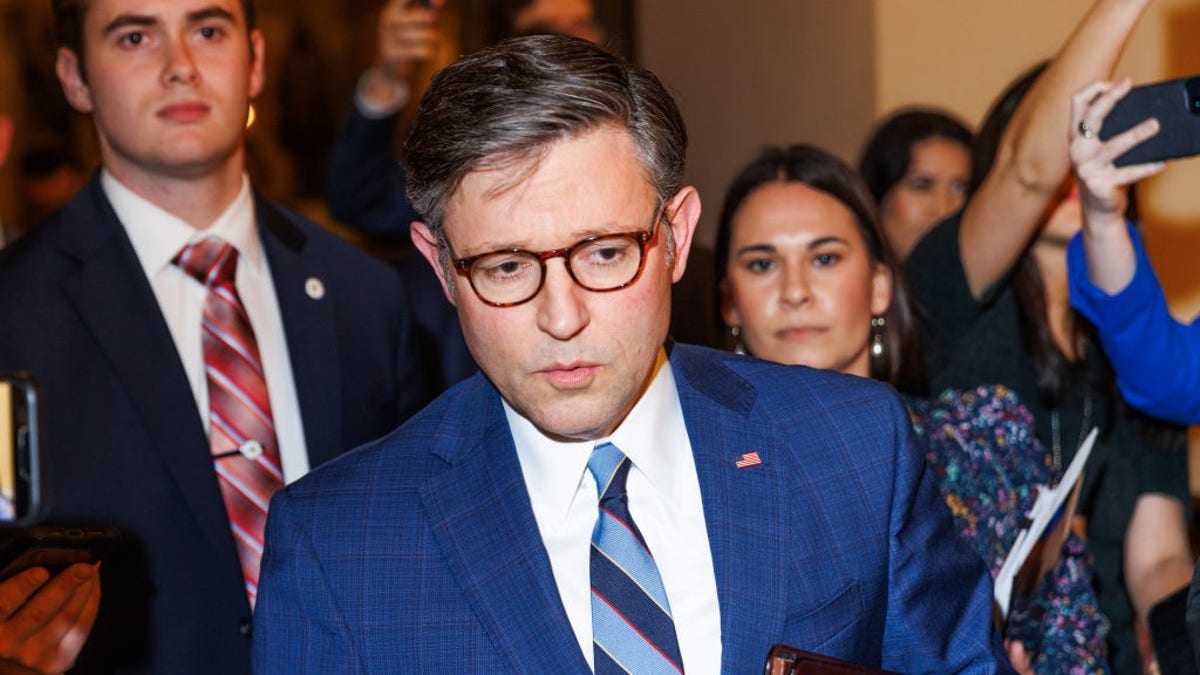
(653, 436)
(157, 235)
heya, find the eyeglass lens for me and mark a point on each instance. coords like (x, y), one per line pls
(602, 264)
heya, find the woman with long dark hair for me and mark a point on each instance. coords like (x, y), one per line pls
(806, 278)
(917, 164)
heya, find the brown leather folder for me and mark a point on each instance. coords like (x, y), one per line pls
(784, 660)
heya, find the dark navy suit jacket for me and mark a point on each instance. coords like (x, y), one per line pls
(124, 442)
(420, 552)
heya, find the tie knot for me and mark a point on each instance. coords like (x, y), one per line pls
(211, 261)
(610, 467)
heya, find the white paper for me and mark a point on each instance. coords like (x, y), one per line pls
(1044, 507)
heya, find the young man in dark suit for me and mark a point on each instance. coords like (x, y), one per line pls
(196, 346)
(598, 498)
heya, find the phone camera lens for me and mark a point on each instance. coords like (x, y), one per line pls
(1192, 89)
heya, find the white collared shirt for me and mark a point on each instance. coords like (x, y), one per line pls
(664, 501)
(157, 236)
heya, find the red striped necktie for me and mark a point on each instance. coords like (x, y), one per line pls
(242, 432)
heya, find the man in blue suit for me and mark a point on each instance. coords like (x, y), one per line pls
(98, 307)
(599, 498)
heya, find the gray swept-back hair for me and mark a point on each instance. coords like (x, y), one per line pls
(505, 106)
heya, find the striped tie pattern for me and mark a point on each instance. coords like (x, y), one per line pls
(239, 409)
(632, 630)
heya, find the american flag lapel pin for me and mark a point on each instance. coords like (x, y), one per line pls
(748, 459)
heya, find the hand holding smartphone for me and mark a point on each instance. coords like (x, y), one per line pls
(1176, 106)
(24, 542)
(44, 621)
(54, 548)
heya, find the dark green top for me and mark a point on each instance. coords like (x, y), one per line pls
(971, 343)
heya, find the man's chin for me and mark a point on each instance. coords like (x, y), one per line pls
(573, 423)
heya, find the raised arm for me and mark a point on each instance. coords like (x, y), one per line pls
(1112, 283)
(366, 182)
(1031, 162)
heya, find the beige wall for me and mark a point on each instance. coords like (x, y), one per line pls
(762, 71)
(959, 55)
(766, 71)
(747, 74)
(981, 46)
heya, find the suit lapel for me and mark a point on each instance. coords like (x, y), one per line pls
(114, 300)
(495, 550)
(481, 516)
(309, 329)
(743, 508)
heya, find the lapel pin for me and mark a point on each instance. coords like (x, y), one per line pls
(748, 459)
(314, 288)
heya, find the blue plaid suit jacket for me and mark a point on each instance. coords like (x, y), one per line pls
(420, 552)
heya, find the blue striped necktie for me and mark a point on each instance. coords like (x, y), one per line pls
(632, 630)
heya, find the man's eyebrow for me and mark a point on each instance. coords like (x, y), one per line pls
(127, 20)
(213, 12)
(141, 21)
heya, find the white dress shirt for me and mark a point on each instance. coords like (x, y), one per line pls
(664, 500)
(157, 236)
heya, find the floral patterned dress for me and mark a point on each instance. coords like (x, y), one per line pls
(982, 448)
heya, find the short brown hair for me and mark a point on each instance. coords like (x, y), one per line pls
(69, 16)
(506, 105)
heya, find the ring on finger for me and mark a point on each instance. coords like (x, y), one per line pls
(1086, 130)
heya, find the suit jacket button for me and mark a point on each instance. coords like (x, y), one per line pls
(245, 627)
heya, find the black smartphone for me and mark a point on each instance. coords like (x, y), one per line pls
(54, 547)
(1176, 105)
(20, 457)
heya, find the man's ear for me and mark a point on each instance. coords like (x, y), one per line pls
(427, 244)
(75, 88)
(683, 212)
(258, 59)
